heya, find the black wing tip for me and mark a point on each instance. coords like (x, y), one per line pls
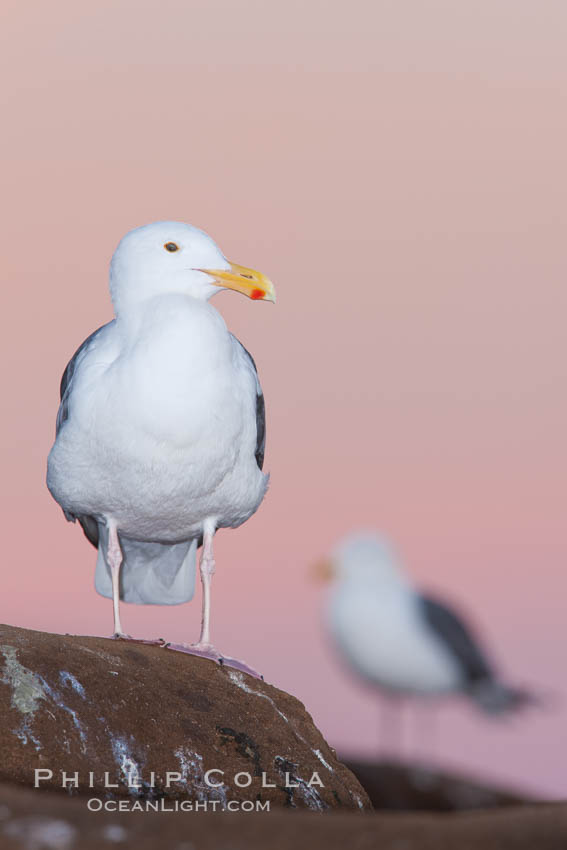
(496, 698)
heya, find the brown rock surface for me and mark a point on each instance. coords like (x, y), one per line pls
(36, 820)
(93, 706)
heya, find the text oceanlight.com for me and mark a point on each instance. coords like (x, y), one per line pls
(162, 805)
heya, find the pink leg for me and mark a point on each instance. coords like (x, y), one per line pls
(207, 570)
(114, 555)
(204, 647)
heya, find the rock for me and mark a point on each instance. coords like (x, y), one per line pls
(112, 719)
(32, 820)
(418, 787)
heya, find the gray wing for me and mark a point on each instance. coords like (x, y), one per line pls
(67, 378)
(457, 637)
(88, 523)
(260, 411)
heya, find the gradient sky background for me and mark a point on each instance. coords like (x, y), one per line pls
(398, 169)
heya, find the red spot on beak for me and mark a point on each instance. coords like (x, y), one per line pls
(256, 294)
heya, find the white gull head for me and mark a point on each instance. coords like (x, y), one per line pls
(174, 258)
(365, 558)
(163, 258)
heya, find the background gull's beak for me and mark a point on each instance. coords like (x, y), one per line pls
(323, 570)
(247, 281)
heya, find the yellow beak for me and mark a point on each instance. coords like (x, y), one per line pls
(247, 281)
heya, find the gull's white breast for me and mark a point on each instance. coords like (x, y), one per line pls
(382, 635)
(162, 426)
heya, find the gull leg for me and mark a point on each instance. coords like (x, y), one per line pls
(204, 648)
(425, 729)
(114, 555)
(392, 727)
(207, 569)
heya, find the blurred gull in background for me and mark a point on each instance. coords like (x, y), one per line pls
(402, 641)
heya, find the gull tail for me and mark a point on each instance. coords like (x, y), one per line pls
(496, 698)
(151, 573)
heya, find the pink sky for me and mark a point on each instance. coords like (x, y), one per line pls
(398, 170)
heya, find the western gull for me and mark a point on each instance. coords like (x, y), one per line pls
(402, 641)
(160, 432)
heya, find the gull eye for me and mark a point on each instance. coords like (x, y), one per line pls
(171, 247)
